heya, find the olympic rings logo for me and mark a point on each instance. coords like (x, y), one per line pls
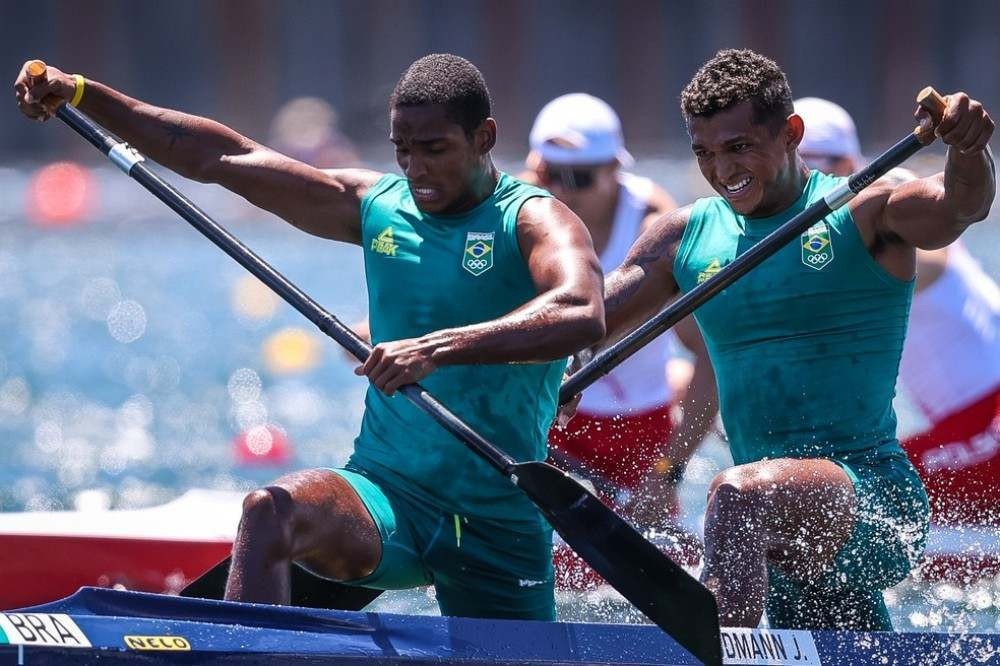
(820, 258)
(477, 264)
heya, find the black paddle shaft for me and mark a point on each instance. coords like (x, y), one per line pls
(610, 358)
(657, 586)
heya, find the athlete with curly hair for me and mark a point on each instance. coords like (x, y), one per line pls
(822, 510)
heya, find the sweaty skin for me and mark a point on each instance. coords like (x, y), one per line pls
(796, 514)
(315, 517)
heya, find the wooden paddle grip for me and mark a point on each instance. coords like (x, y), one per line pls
(935, 104)
(931, 100)
(37, 71)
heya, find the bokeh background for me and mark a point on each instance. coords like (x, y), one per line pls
(240, 60)
(137, 361)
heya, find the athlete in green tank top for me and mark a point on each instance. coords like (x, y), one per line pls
(479, 286)
(822, 511)
(430, 272)
(783, 392)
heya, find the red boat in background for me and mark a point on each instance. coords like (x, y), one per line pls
(47, 555)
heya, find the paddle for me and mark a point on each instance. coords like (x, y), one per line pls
(665, 534)
(610, 358)
(657, 586)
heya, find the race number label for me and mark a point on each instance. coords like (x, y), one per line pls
(172, 643)
(40, 629)
(768, 647)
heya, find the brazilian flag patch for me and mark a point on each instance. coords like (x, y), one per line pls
(478, 255)
(817, 247)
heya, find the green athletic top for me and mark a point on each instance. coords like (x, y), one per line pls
(426, 273)
(806, 346)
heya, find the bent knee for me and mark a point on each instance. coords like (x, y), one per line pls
(734, 486)
(268, 511)
(266, 502)
(736, 499)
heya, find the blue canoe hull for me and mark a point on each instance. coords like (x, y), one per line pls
(109, 627)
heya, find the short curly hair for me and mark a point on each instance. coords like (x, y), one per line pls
(734, 76)
(449, 80)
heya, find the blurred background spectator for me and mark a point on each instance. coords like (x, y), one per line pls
(306, 128)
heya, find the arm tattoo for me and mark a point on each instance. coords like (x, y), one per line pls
(653, 246)
(620, 288)
(650, 253)
(176, 132)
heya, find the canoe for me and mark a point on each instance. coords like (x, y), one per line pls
(121, 627)
(116, 627)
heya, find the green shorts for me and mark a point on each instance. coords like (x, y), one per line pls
(889, 536)
(479, 568)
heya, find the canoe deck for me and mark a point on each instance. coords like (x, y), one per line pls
(110, 627)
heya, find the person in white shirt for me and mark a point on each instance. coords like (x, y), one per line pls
(623, 433)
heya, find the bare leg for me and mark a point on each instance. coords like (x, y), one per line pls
(735, 566)
(313, 517)
(794, 513)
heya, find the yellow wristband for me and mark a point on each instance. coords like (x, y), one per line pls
(78, 93)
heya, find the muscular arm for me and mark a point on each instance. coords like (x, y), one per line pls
(644, 283)
(565, 315)
(323, 203)
(930, 213)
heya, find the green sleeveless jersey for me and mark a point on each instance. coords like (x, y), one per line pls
(806, 346)
(426, 273)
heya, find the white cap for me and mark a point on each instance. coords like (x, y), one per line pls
(579, 129)
(829, 129)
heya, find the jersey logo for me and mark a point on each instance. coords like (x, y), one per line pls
(817, 248)
(713, 267)
(384, 243)
(478, 255)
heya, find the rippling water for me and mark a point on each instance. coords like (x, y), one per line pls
(134, 352)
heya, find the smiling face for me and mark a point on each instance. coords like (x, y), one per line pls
(749, 164)
(445, 167)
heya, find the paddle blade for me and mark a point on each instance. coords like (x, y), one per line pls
(654, 583)
(308, 589)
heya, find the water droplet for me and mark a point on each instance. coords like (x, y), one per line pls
(244, 385)
(127, 321)
(98, 297)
